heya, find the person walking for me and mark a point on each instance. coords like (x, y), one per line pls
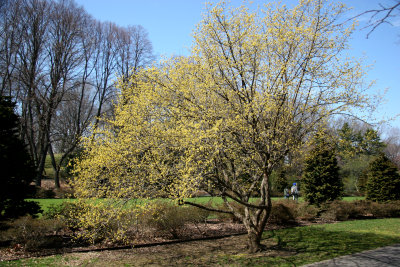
(294, 191)
(286, 193)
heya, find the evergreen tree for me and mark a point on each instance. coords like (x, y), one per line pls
(16, 166)
(321, 181)
(281, 182)
(371, 143)
(348, 143)
(383, 182)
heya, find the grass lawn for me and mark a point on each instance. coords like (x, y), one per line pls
(46, 203)
(287, 247)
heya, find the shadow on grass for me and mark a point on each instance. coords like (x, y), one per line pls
(302, 245)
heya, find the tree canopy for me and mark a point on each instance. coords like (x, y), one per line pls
(255, 85)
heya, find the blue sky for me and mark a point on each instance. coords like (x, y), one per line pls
(170, 24)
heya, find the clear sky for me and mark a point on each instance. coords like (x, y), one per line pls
(170, 24)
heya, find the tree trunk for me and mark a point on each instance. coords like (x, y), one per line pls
(254, 241)
(56, 168)
(256, 219)
(255, 224)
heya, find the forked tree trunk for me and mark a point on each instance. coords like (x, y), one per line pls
(255, 219)
(255, 227)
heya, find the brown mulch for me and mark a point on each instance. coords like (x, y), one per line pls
(200, 232)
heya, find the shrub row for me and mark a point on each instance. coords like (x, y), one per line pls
(288, 212)
(165, 219)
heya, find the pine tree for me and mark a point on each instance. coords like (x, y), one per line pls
(383, 182)
(321, 181)
(281, 182)
(15, 165)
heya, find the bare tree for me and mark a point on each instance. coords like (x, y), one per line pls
(381, 15)
(10, 40)
(392, 149)
(64, 53)
(76, 111)
(32, 78)
(134, 50)
(105, 66)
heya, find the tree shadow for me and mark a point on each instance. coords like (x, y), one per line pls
(312, 244)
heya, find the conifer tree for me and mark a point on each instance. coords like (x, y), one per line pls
(321, 181)
(15, 165)
(383, 182)
(281, 180)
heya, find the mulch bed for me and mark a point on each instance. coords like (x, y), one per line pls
(62, 244)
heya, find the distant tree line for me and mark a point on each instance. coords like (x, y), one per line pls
(60, 66)
(355, 145)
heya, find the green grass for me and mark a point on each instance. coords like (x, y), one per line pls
(57, 260)
(316, 243)
(46, 203)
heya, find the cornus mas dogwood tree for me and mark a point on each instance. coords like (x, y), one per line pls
(255, 85)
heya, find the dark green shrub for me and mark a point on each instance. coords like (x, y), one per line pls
(281, 181)
(17, 170)
(321, 181)
(58, 210)
(383, 182)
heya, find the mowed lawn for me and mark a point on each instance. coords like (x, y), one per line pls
(46, 203)
(286, 247)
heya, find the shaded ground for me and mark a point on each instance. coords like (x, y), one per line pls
(286, 247)
(196, 253)
(213, 232)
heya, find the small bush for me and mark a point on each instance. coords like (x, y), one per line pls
(386, 210)
(167, 218)
(281, 214)
(95, 222)
(342, 210)
(34, 234)
(306, 212)
(338, 211)
(59, 210)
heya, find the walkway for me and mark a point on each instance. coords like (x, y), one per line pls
(381, 257)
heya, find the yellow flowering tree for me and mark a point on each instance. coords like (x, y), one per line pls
(255, 86)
